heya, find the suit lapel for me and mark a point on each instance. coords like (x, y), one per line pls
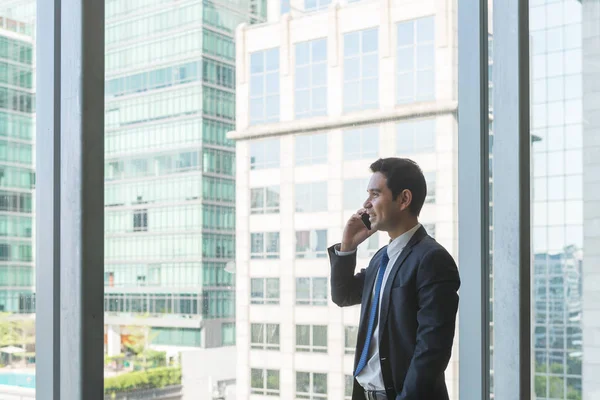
(385, 300)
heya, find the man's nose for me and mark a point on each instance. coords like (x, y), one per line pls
(367, 204)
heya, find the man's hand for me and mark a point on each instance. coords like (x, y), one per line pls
(355, 232)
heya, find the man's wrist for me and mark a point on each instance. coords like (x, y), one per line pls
(345, 248)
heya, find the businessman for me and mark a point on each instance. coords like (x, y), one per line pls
(408, 292)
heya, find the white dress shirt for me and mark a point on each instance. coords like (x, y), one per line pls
(370, 378)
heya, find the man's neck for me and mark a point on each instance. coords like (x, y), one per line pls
(403, 227)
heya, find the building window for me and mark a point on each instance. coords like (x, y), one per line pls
(311, 78)
(311, 385)
(361, 143)
(311, 244)
(140, 220)
(311, 149)
(311, 291)
(430, 228)
(430, 178)
(348, 386)
(311, 197)
(228, 334)
(361, 70)
(415, 137)
(314, 5)
(264, 381)
(264, 291)
(415, 61)
(264, 336)
(264, 86)
(264, 200)
(264, 245)
(311, 338)
(350, 335)
(285, 6)
(264, 154)
(355, 193)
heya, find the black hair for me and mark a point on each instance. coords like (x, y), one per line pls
(403, 174)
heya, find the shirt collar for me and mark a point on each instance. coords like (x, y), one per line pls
(397, 245)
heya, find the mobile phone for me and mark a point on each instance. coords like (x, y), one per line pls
(365, 220)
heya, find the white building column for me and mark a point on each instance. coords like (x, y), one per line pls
(113, 340)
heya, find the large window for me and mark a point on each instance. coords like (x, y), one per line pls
(264, 154)
(264, 336)
(415, 60)
(264, 86)
(430, 178)
(311, 78)
(564, 182)
(311, 385)
(264, 245)
(314, 5)
(264, 382)
(350, 335)
(264, 200)
(311, 197)
(311, 244)
(415, 137)
(348, 386)
(264, 290)
(361, 70)
(311, 291)
(355, 193)
(361, 143)
(228, 334)
(311, 149)
(311, 338)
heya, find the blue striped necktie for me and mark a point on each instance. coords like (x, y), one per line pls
(372, 313)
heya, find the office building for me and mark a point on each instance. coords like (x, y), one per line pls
(170, 189)
(323, 90)
(17, 167)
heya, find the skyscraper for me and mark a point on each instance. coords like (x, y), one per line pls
(17, 173)
(170, 189)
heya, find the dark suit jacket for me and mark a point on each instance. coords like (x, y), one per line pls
(418, 315)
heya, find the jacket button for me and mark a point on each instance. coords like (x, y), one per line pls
(383, 359)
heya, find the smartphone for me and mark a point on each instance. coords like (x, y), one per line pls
(365, 220)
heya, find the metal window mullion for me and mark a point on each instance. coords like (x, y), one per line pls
(473, 204)
(512, 248)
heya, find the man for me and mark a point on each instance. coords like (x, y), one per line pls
(408, 293)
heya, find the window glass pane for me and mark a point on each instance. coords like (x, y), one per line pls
(302, 335)
(320, 336)
(302, 382)
(562, 232)
(257, 333)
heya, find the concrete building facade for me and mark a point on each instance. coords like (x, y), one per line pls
(323, 91)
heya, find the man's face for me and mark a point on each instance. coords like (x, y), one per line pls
(384, 212)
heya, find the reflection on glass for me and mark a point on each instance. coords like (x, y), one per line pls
(563, 229)
(17, 205)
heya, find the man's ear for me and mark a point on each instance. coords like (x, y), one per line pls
(405, 199)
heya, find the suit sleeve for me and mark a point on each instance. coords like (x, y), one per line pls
(437, 291)
(346, 288)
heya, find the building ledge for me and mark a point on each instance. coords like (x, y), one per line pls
(127, 319)
(356, 119)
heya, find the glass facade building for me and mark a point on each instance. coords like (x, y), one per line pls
(17, 173)
(170, 189)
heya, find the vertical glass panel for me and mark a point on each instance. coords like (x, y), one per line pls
(563, 164)
(17, 204)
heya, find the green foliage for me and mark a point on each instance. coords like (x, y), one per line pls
(152, 359)
(16, 330)
(151, 379)
(554, 384)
